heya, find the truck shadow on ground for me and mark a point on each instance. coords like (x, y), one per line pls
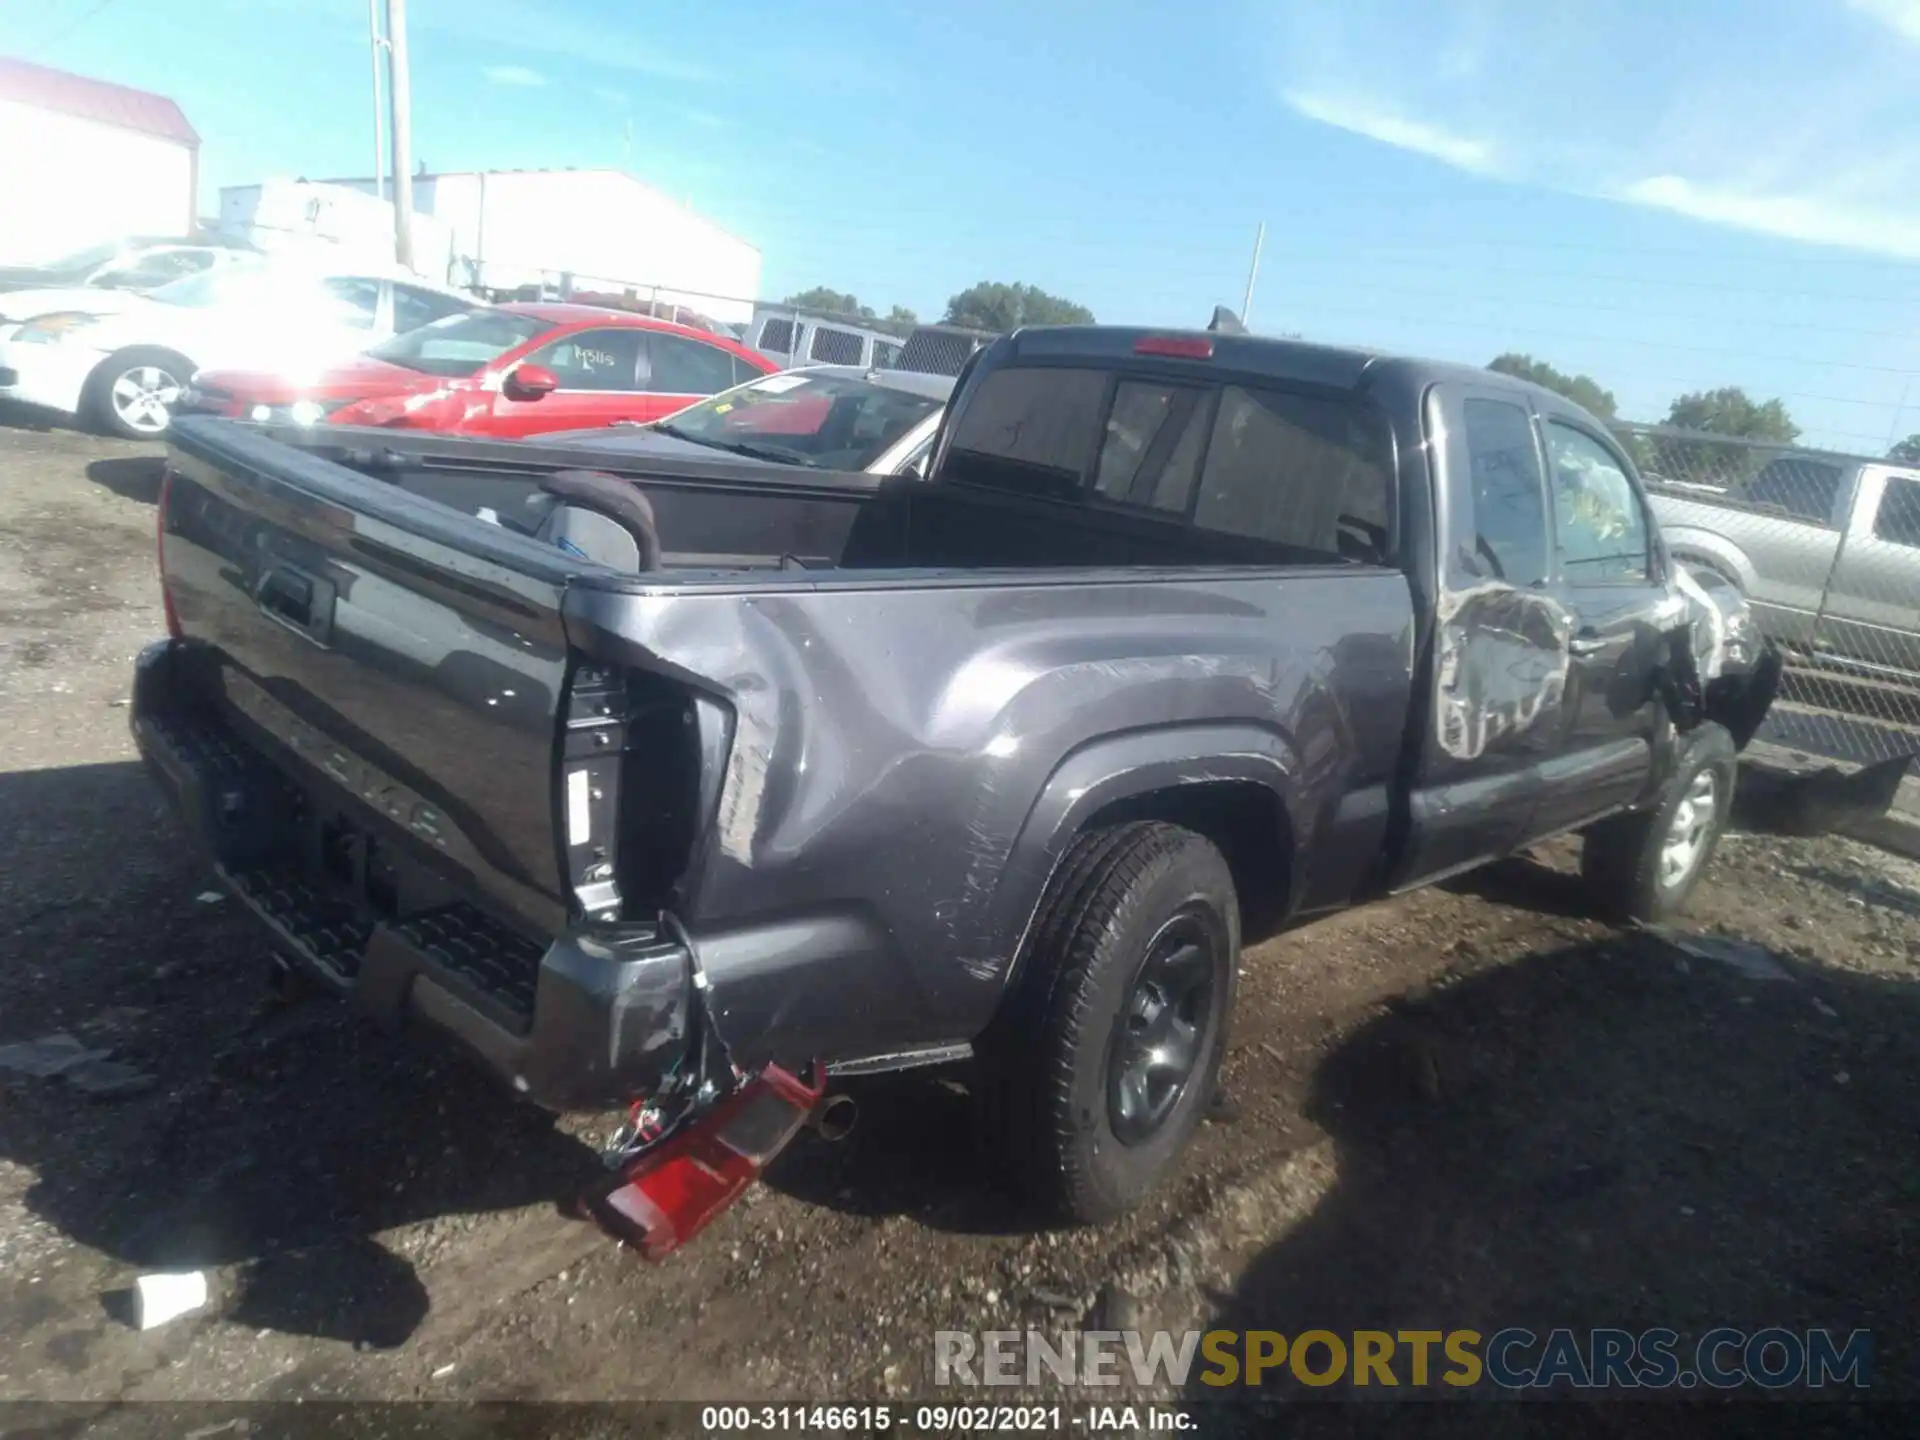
(1617, 1136)
(913, 1152)
(1763, 804)
(276, 1140)
(131, 477)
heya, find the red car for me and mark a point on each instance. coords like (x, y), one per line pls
(507, 370)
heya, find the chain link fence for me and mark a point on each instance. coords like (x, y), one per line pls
(1826, 548)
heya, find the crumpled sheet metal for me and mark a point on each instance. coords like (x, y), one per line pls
(1502, 656)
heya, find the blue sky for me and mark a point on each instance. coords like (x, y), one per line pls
(1669, 197)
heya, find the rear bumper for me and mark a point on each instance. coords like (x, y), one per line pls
(590, 1020)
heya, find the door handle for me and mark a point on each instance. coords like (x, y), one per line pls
(297, 600)
(1586, 645)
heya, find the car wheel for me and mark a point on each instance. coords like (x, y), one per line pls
(1100, 1067)
(1644, 866)
(132, 393)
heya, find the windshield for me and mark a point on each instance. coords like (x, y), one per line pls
(833, 422)
(460, 344)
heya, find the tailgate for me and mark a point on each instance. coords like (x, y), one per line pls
(411, 654)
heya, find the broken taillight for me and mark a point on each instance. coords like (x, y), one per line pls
(670, 1194)
(160, 553)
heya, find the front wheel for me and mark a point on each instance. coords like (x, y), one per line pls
(132, 394)
(1645, 866)
(1098, 1071)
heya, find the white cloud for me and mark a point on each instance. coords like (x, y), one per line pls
(1900, 16)
(1368, 118)
(514, 75)
(705, 119)
(520, 28)
(1815, 218)
(1803, 129)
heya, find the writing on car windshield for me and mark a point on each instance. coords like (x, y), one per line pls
(831, 422)
(459, 344)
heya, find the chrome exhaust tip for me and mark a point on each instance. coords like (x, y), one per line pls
(834, 1117)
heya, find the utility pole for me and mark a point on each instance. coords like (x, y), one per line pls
(378, 46)
(1246, 305)
(401, 93)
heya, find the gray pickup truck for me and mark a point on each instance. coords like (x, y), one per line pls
(1826, 550)
(688, 770)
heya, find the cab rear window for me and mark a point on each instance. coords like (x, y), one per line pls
(1303, 470)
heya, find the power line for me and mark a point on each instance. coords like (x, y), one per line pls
(1426, 292)
(1585, 277)
(76, 27)
(1576, 336)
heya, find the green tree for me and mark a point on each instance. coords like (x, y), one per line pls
(897, 321)
(831, 302)
(991, 305)
(1727, 411)
(1907, 452)
(1583, 390)
(1731, 411)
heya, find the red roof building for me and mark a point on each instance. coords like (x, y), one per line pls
(98, 100)
(84, 161)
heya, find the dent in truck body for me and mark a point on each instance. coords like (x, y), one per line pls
(910, 756)
(1501, 662)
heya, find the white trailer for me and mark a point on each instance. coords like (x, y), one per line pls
(605, 229)
(303, 218)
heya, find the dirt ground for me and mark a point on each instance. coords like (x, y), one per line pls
(1469, 1108)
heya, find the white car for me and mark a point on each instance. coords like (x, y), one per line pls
(120, 360)
(134, 263)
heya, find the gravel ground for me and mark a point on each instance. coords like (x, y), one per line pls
(1468, 1108)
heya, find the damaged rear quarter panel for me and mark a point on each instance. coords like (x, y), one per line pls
(910, 758)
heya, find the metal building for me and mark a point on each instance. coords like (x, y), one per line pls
(84, 161)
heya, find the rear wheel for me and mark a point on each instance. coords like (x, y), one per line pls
(1644, 866)
(1100, 1067)
(132, 394)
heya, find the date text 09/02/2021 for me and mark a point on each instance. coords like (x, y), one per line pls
(869, 1419)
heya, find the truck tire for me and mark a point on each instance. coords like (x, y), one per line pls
(1643, 866)
(1101, 1063)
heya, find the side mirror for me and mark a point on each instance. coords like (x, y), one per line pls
(529, 382)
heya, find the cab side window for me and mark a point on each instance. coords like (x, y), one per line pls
(1899, 517)
(1601, 529)
(1499, 514)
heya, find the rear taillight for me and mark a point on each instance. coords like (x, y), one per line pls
(669, 1195)
(160, 552)
(1180, 347)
